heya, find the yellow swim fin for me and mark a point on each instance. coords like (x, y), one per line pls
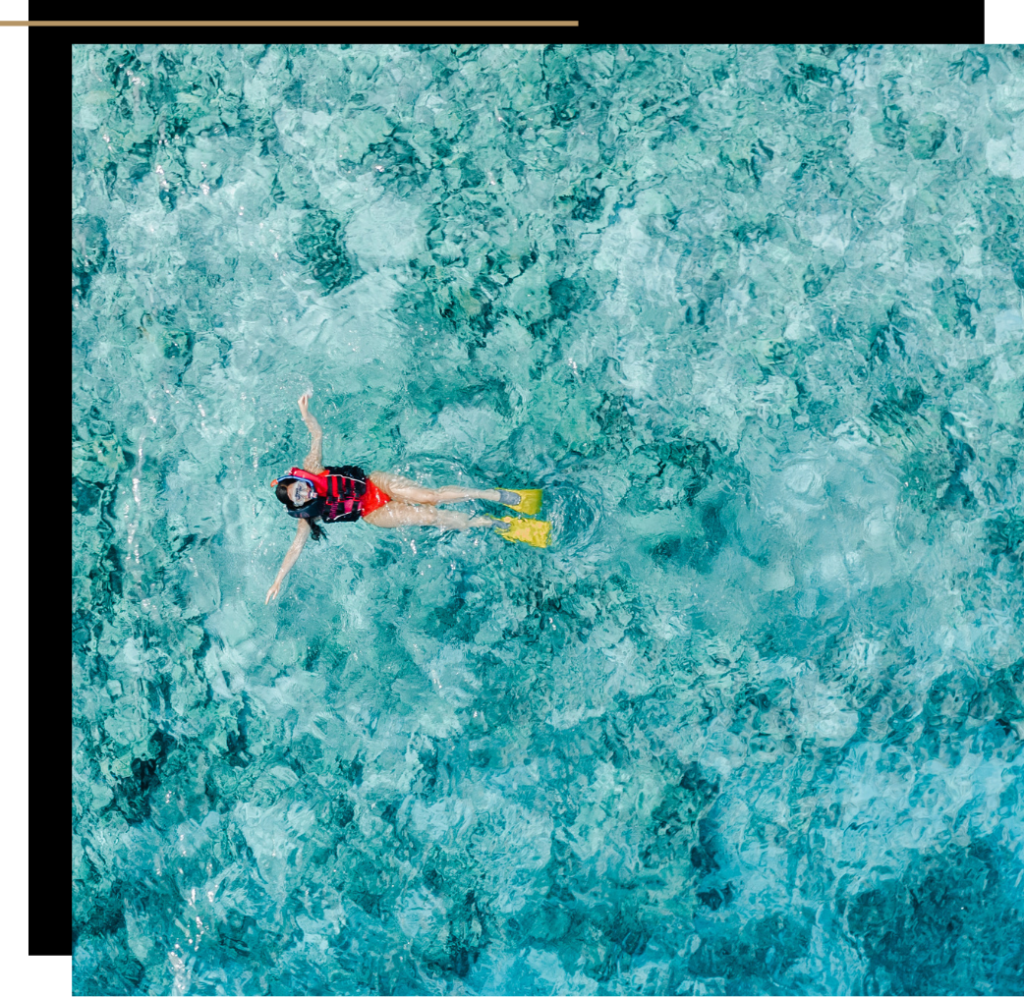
(529, 500)
(535, 532)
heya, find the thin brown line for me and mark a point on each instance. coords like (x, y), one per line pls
(289, 24)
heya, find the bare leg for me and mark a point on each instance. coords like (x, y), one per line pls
(397, 513)
(408, 491)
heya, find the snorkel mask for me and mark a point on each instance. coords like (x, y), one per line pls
(287, 479)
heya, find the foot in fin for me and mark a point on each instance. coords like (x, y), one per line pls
(525, 500)
(535, 532)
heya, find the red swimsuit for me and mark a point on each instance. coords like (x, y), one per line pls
(373, 500)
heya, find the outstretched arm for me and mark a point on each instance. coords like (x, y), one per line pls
(290, 558)
(314, 459)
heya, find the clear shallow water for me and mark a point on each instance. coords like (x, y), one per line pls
(752, 319)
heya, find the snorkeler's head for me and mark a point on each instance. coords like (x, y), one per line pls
(294, 493)
(300, 499)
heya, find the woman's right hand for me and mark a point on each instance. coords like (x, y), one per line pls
(272, 594)
(304, 403)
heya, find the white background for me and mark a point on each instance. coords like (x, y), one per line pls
(40, 976)
(1004, 22)
(52, 976)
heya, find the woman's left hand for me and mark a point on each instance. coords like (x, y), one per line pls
(304, 402)
(272, 594)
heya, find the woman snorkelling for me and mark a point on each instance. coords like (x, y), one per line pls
(346, 494)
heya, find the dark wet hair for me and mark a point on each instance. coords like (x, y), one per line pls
(282, 496)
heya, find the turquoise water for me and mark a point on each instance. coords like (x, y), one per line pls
(752, 318)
